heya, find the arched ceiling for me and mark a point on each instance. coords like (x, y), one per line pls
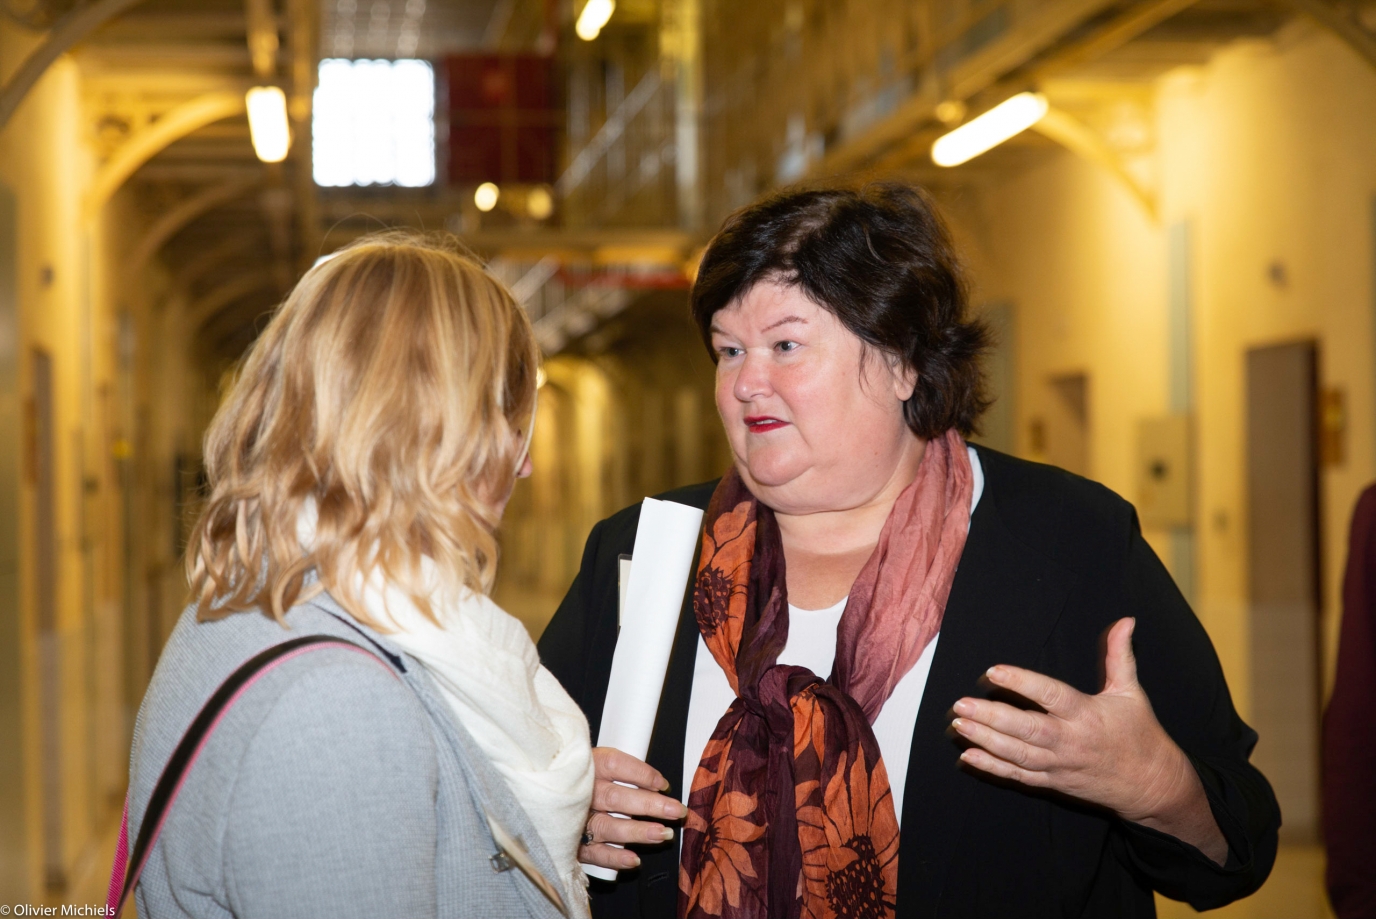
(162, 58)
(217, 213)
(220, 215)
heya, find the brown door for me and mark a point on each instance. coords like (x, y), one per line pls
(1067, 423)
(14, 863)
(1283, 555)
(43, 459)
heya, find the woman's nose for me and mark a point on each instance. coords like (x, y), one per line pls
(752, 378)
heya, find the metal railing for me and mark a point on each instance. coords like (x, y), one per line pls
(624, 175)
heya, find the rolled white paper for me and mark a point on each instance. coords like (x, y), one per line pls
(660, 562)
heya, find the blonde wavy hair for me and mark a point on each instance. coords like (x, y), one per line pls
(395, 387)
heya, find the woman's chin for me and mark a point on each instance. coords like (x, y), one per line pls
(771, 472)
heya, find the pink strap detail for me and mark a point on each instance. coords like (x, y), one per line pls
(122, 884)
(112, 895)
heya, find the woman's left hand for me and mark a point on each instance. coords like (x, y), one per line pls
(1106, 749)
(628, 786)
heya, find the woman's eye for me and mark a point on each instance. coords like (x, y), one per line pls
(787, 346)
(728, 351)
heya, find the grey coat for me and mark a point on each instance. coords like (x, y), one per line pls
(331, 788)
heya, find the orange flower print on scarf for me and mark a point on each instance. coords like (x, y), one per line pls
(850, 844)
(728, 874)
(719, 591)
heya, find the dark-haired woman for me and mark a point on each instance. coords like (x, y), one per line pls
(913, 677)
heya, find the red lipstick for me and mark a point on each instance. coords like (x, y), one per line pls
(758, 424)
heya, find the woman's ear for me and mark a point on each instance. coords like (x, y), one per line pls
(904, 380)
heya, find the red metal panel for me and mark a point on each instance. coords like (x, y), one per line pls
(503, 118)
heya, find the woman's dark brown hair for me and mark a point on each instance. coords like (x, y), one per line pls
(881, 261)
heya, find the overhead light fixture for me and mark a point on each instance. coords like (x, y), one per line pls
(539, 203)
(267, 123)
(486, 196)
(1005, 120)
(594, 16)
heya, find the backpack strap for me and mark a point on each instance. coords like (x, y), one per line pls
(128, 864)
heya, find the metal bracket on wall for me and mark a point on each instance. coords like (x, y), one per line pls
(1082, 140)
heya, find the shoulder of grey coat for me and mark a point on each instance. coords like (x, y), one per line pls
(337, 785)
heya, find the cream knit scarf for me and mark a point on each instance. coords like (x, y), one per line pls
(489, 673)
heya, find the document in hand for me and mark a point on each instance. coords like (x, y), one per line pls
(660, 564)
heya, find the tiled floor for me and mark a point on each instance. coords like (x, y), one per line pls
(1294, 891)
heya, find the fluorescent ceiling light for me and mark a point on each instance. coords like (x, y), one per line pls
(374, 123)
(594, 16)
(267, 123)
(486, 196)
(1005, 120)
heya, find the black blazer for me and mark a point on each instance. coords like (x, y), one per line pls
(1052, 560)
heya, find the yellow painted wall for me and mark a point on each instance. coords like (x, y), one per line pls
(71, 293)
(1269, 153)
(613, 427)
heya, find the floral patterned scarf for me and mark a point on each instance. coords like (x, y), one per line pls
(790, 813)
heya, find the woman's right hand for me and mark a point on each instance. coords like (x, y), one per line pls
(644, 800)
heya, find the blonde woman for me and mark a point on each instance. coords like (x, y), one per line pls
(358, 471)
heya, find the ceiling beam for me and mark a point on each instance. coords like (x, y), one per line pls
(1038, 31)
(1341, 23)
(214, 57)
(570, 244)
(262, 37)
(146, 143)
(174, 26)
(100, 82)
(68, 31)
(303, 42)
(1112, 35)
(197, 173)
(497, 24)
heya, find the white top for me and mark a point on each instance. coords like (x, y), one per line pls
(812, 644)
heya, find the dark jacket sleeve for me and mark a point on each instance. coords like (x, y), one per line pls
(1182, 677)
(1349, 731)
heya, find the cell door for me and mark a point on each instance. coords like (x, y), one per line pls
(14, 861)
(1283, 562)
